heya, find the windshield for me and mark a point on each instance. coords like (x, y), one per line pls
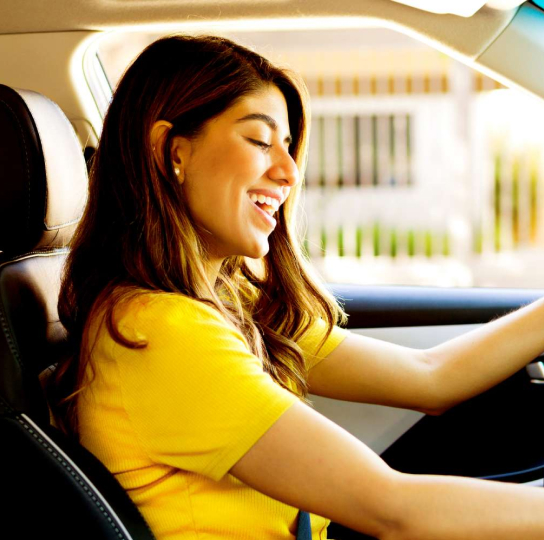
(421, 170)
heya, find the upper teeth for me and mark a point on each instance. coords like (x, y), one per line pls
(262, 199)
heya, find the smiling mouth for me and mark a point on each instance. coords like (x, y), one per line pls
(266, 204)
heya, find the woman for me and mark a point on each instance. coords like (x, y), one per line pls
(199, 330)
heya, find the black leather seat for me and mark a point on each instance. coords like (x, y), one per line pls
(51, 486)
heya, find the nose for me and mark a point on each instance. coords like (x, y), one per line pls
(283, 169)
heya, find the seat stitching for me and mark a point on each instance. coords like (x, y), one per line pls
(74, 475)
(37, 253)
(6, 407)
(9, 338)
(61, 225)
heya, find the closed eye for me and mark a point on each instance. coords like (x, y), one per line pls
(264, 146)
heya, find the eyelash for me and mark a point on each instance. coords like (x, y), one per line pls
(264, 146)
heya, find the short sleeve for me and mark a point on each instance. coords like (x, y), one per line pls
(310, 343)
(197, 398)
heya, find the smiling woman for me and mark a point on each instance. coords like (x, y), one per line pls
(196, 172)
(197, 331)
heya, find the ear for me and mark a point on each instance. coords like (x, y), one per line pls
(158, 134)
(180, 154)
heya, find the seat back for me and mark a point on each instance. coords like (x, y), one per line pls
(52, 485)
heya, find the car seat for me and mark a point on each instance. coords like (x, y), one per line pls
(52, 486)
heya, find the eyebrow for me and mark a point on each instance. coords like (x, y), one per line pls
(268, 120)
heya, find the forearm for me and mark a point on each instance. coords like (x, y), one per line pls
(308, 462)
(466, 366)
(451, 508)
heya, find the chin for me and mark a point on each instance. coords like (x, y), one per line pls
(257, 251)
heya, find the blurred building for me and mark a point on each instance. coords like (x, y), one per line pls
(421, 170)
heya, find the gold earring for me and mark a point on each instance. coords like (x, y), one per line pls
(177, 171)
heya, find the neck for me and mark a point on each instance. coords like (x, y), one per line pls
(213, 266)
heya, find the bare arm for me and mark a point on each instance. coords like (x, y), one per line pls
(372, 371)
(476, 361)
(309, 462)
(368, 370)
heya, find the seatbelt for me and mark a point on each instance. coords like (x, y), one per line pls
(304, 529)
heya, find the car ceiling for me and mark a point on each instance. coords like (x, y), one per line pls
(40, 39)
(466, 36)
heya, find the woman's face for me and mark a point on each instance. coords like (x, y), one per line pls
(237, 172)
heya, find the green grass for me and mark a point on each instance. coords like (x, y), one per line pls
(376, 235)
(428, 244)
(394, 245)
(359, 242)
(340, 150)
(515, 202)
(341, 251)
(533, 204)
(411, 241)
(323, 242)
(497, 203)
(478, 241)
(446, 248)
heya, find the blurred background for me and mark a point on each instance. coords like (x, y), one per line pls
(421, 170)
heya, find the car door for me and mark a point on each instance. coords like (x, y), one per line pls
(495, 435)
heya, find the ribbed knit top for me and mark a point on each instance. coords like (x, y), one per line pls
(171, 419)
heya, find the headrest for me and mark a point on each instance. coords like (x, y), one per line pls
(43, 176)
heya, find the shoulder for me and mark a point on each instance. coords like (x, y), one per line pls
(166, 304)
(167, 307)
(153, 314)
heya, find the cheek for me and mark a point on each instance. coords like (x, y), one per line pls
(212, 195)
(217, 180)
(224, 175)
(217, 161)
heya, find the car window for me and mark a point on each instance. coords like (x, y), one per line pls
(421, 171)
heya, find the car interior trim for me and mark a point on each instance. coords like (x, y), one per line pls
(399, 306)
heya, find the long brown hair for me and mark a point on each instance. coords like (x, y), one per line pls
(137, 233)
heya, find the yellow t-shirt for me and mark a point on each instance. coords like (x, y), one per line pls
(171, 419)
